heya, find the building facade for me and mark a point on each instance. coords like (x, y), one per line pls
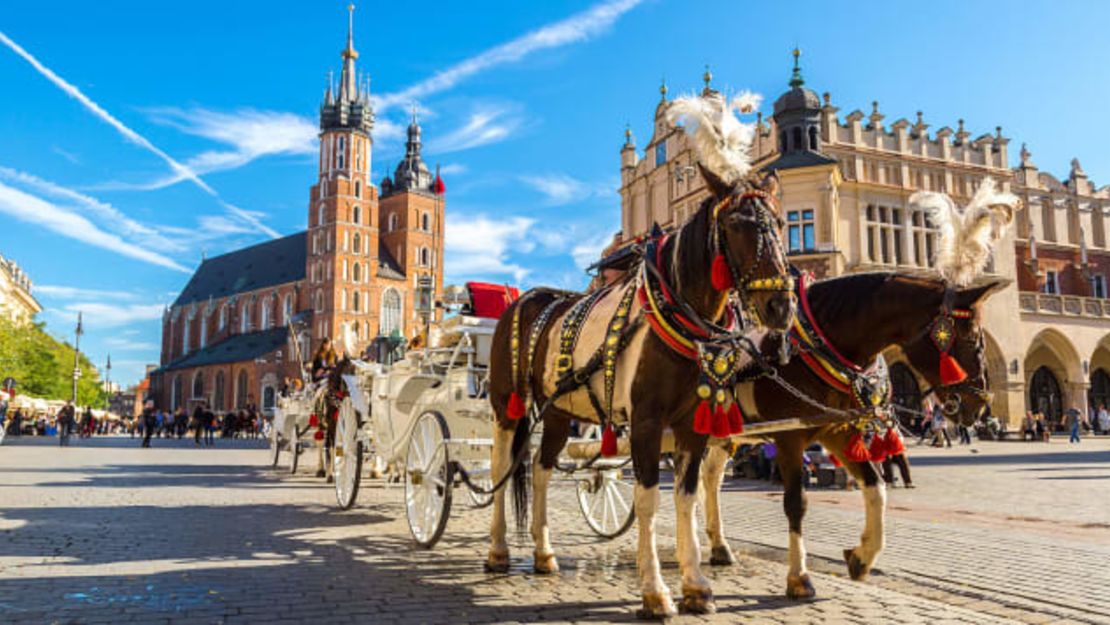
(249, 319)
(16, 301)
(846, 181)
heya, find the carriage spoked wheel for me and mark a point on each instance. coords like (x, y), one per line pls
(605, 498)
(275, 447)
(347, 454)
(428, 479)
(295, 450)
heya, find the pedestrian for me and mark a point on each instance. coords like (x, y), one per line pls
(17, 422)
(1074, 419)
(1028, 426)
(897, 459)
(149, 420)
(198, 423)
(940, 427)
(1104, 419)
(64, 421)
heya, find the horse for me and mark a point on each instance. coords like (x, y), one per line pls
(646, 374)
(855, 318)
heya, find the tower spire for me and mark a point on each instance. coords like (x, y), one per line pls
(348, 89)
(796, 79)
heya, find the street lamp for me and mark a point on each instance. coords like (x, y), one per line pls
(76, 355)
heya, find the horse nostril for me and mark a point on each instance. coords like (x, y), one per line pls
(778, 309)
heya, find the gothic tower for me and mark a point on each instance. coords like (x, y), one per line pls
(342, 255)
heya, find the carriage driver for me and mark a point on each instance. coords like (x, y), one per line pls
(324, 360)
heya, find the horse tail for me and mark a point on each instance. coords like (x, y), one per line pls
(521, 441)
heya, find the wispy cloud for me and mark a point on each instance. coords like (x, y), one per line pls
(66, 154)
(127, 133)
(577, 28)
(251, 134)
(587, 251)
(479, 246)
(75, 292)
(452, 169)
(101, 315)
(129, 345)
(35, 210)
(487, 124)
(559, 189)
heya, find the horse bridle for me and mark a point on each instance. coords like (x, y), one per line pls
(947, 317)
(768, 242)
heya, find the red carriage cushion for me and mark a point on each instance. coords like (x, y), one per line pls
(490, 300)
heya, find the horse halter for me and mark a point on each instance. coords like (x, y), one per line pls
(724, 270)
(942, 334)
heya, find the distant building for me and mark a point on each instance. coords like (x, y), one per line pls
(845, 189)
(16, 301)
(226, 339)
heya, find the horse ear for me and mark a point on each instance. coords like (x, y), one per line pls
(970, 296)
(719, 188)
(770, 184)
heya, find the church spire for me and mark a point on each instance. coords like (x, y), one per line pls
(348, 87)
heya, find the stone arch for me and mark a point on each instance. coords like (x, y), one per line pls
(998, 381)
(1052, 353)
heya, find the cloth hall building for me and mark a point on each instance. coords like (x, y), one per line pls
(846, 181)
(228, 338)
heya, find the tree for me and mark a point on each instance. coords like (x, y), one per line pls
(43, 365)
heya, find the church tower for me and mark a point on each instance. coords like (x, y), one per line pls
(342, 255)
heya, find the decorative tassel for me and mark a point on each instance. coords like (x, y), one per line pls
(516, 407)
(878, 448)
(703, 417)
(835, 461)
(720, 422)
(735, 418)
(319, 435)
(855, 450)
(720, 274)
(313, 421)
(950, 371)
(608, 441)
(895, 446)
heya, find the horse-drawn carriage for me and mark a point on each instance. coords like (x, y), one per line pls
(425, 420)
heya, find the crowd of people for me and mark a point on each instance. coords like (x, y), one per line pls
(202, 425)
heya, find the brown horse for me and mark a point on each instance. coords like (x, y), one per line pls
(652, 383)
(859, 317)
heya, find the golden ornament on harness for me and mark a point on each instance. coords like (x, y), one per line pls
(720, 396)
(704, 391)
(720, 365)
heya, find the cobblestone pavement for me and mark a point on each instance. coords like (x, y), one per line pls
(104, 532)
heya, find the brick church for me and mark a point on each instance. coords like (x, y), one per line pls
(245, 318)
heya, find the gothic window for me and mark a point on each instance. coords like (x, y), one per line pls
(245, 319)
(356, 272)
(266, 314)
(341, 153)
(241, 390)
(392, 222)
(344, 269)
(355, 300)
(223, 317)
(175, 393)
(357, 243)
(218, 396)
(287, 310)
(198, 385)
(343, 299)
(319, 301)
(391, 313)
(813, 138)
(319, 218)
(185, 336)
(357, 210)
(1051, 283)
(426, 222)
(203, 329)
(800, 235)
(425, 257)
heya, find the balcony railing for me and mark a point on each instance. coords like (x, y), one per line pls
(1066, 305)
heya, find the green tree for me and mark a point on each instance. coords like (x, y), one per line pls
(43, 365)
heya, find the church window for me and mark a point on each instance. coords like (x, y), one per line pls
(356, 272)
(797, 138)
(344, 269)
(287, 310)
(319, 301)
(355, 301)
(320, 214)
(223, 317)
(660, 153)
(203, 329)
(175, 393)
(346, 241)
(218, 395)
(425, 257)
(343, 299)
(198, 385)
(356, 211)
(800, 234)
(185, 336)
(241, 390)
(813, 138)
(341, 153)
(426, 222)
(245, 319)
(391, 312)
(358, 193)
(392, 222)
(358, 243)
(266, 315)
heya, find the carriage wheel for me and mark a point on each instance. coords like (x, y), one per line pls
(606, 502)
(428, 477)
(347, 454)
(275, 447)
(295, 451)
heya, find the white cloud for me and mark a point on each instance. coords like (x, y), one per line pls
(479, 247)
(451, 169)
(66, 154)
(588, 251)
(130, 345)
(559, 189)
(75, 292)
(123, 129)
(35, 210)
(99, 315)
(577, 28)
(488, 124)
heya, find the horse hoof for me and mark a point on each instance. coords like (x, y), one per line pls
(799, 588)
(857, 570)
(697, 601)
(545, 564)
(656, 606)
(721, 555)
(497, 563)
(319, 473)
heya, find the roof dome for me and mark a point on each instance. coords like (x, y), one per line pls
(799, 98)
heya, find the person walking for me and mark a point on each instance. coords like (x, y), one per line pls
(1074, 421)
(940, 427)
(149, 420)
(198, 423)
(1104, 419)
(209, 428)
(17, 422)
(64, 421)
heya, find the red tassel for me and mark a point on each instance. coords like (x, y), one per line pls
(516, 407)
(735, 418)
(319, 435)
(720, 274)
(855, 450)
(878, 448)
(608, 441)
(950, 371)
(703, 417)
(835, 461)
(313, 421)
(895, 446)
(720, 422)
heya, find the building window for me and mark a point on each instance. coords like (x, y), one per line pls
(319, 219)
(268, 398)
(245, 319)
(391, 313)
(923, 238)
(355, 301)
(287, 310)
(796, 136)
(319, 304)
(223, 317)
(175, 393)
(356, 272)
(357, 249)
(426, 222)
(341, 153)
(198, 386)
(660, 153)
(1098, 286)
(425, 257)
(343, 300)
(1051, 283)
(203, 329)
(241, 390)
(185, 336)
(782, 141)
(885, 234)
(357, 210)
(266, 316)
(218, 396)
(813, 138)
(800, 230)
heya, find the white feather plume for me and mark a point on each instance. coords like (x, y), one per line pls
(723, 142)
(966, 237)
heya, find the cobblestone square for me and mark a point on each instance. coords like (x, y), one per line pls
(105, 532)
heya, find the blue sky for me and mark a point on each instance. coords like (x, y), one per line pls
(140, 136)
